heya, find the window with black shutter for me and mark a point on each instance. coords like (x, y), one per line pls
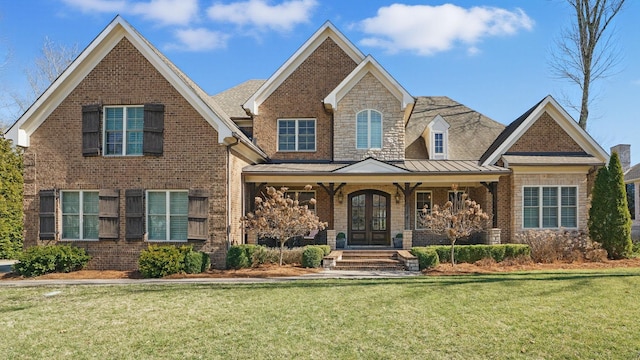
(47, 214)
(152, 143)
(134, 208)
(109, 210)
(91, 130)
(198, 215)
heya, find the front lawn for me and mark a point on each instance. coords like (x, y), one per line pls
(553, 314)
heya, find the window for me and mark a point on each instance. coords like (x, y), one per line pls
(550, 207)
(369, 130)
(303, 198)
(123, 130)
(167, 215)
(297, 135)
(423, 200)
(438, 143)
(79, 215)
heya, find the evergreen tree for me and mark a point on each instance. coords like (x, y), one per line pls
(10, 200)
(599, 211)
(618, 241)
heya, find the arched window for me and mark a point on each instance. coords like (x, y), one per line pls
(369, 130)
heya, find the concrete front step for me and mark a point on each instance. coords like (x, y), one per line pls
(370, 260)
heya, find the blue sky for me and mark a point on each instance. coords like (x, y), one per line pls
(490, 55)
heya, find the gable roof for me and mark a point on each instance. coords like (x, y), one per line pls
(328, 30)
(118, 29)
(518, 127)
(370, 166)
(470, 132)
(368, 66)
(231, 100)
(632, 174)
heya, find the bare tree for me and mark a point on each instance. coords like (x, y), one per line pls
(457, 218)
(584, 53)
(281, 217)
(53, 60)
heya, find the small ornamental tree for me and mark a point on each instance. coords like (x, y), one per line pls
(609, 217)
(281, 217)
(457, 218)
(618, 242)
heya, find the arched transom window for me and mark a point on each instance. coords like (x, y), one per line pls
(369, 130)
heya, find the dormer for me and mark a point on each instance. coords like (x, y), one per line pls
(436, 138)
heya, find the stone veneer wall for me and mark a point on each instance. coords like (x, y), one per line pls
(192, 158)
(369, 93)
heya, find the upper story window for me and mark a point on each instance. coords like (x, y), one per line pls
(369, 130)
(439, 138)
(549, 207)
(296, 135)
(123, 130)
(79, 215)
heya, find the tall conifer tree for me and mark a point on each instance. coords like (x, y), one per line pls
(618, 241)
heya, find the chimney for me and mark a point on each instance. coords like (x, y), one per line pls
(624, 153)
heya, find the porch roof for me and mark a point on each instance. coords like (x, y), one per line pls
(431, 171)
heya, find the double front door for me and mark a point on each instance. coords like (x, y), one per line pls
(369, 212)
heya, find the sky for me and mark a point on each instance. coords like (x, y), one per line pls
(490, 55)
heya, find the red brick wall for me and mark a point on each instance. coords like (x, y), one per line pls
(300, 96)
(545, 135)
(192, 157)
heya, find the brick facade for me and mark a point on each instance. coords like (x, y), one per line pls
(545, 135)
(300, 96)
(192, 158)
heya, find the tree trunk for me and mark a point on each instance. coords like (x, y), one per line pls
(584, 105)
(282, 241)
(453, 260)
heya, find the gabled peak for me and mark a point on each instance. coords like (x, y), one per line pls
(370, 166)
(327, 30)
(368, 66)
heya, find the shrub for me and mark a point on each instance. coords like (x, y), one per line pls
(427, 257)
(161, 260)
(312, 256)
(473, 253)
(237, 257)
(206, 261)
(267, 255)
(326, 249)
(193, 262)
(549, 246)
(40, 260)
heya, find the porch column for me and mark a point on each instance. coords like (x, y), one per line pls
(407, 190)
(331, 191)
(493, 190)
(331, 239)
(407, 239)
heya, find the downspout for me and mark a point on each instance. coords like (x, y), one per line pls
(229, 189)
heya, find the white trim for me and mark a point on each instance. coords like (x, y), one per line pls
(368, 66)
(370, 166)
(80, 214)
(415, 207)
(438, 126)
(167, 215)
(559, 207)
(327, 30)
(563, 119)
(297, 134)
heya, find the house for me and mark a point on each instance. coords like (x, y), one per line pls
(632, 181)
(123, 150)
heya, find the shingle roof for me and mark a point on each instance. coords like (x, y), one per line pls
(231, 100)
(470, 133)
(633, 174)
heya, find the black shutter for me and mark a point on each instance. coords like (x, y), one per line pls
(153, 129)
(109, 211)
(134, 214)
(198, 228)
(47, 214)
(91, 130)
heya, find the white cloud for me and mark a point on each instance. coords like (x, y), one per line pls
(426, 29)
(166, 12)
(258, 13)
(199, 39)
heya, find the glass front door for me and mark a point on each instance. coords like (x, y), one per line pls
(369, 218)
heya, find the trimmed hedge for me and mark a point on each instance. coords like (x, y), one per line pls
(40, 260)
(162, 260)
(427, 257)
(312, 256)
(473, 253)
(241, 256)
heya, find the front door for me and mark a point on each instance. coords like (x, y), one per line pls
(369, 218)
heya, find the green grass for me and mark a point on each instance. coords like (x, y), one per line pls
(538, 315)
